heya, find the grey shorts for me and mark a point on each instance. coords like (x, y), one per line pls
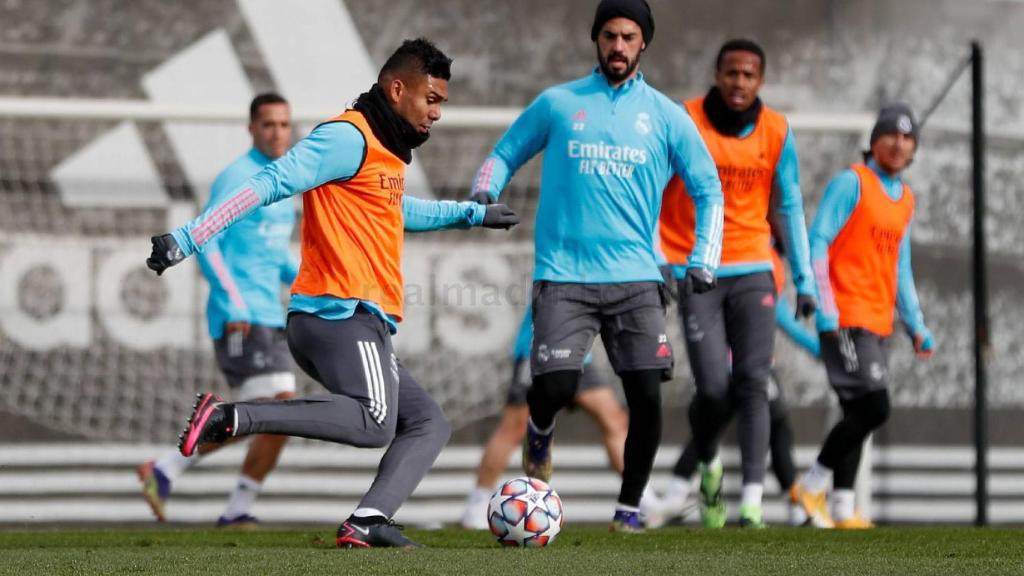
(856, 362)
(263, 350)
(629, 316)
(522, 380)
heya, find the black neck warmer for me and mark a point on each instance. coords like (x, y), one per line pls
(393, 131)
(726, 120)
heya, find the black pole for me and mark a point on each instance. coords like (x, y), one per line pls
(981, 328)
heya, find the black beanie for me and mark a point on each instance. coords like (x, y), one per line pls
(636, 10)
(894, 119)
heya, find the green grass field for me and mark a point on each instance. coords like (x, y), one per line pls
(579, 550)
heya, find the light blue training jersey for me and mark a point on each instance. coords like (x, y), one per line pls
(247, 265)
(332, 151)
(837, 204)
(608, 154)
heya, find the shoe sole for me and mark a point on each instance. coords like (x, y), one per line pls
(150, 491)
(346, 542)
(188, 440)
(243, 526)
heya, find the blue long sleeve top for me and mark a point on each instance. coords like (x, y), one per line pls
(837, 204)
(332, 151)
(247, 265)
(608, 154)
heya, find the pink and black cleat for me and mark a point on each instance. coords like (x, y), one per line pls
(377, 533)
(208, 423)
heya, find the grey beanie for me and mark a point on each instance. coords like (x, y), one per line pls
(894, 119)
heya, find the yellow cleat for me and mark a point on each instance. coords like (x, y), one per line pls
(854, 523)
(815, 504)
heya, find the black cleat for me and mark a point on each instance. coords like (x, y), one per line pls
(208, 423)
(352, 534)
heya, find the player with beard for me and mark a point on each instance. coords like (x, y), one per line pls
(612, 143)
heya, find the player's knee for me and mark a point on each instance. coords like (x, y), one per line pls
(876, 409)
(713, 388)
(439, 428)
(554, 389)
(714, 406)
(643, 394)
(751, 383)
(377, 437)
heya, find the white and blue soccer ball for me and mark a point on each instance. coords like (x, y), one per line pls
(525, 512)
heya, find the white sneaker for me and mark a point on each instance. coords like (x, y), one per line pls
(651, 515)
(474, 517)
(658, 512)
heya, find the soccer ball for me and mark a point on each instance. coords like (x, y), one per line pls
(525, 512)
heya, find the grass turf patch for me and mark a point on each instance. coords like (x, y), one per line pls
(578, 550)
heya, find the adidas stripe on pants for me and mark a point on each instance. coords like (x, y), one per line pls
(372, 402)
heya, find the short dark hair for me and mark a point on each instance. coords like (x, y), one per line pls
(741, 45)
(262, 100)
(418, 55)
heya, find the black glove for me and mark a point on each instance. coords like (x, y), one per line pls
(482, 198)
(670, 281)
(698, 281)
(806, 305)
(500, 216)
(166, 253)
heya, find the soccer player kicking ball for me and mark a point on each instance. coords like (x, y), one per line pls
(246, 267)
(612, 142)
(347, 299)
(860, 248)
(755, 153)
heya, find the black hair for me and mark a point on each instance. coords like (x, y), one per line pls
(741, 45)
(418, 55)
(262, 100)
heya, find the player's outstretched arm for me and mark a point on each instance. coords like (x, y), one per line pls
(523, 140)
(425, 215)
(332, 151)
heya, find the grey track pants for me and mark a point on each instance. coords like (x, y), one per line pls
(372, 402)
(735, 319)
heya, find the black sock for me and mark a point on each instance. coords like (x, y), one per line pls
(368, 520)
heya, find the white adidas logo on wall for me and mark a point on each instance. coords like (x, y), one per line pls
(317, 59)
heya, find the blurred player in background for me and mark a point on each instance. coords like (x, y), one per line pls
(595, 397)
(348, 297)
(860, 246)
(246, 267)
(675, 504)
(611, 144)
(755, 153)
